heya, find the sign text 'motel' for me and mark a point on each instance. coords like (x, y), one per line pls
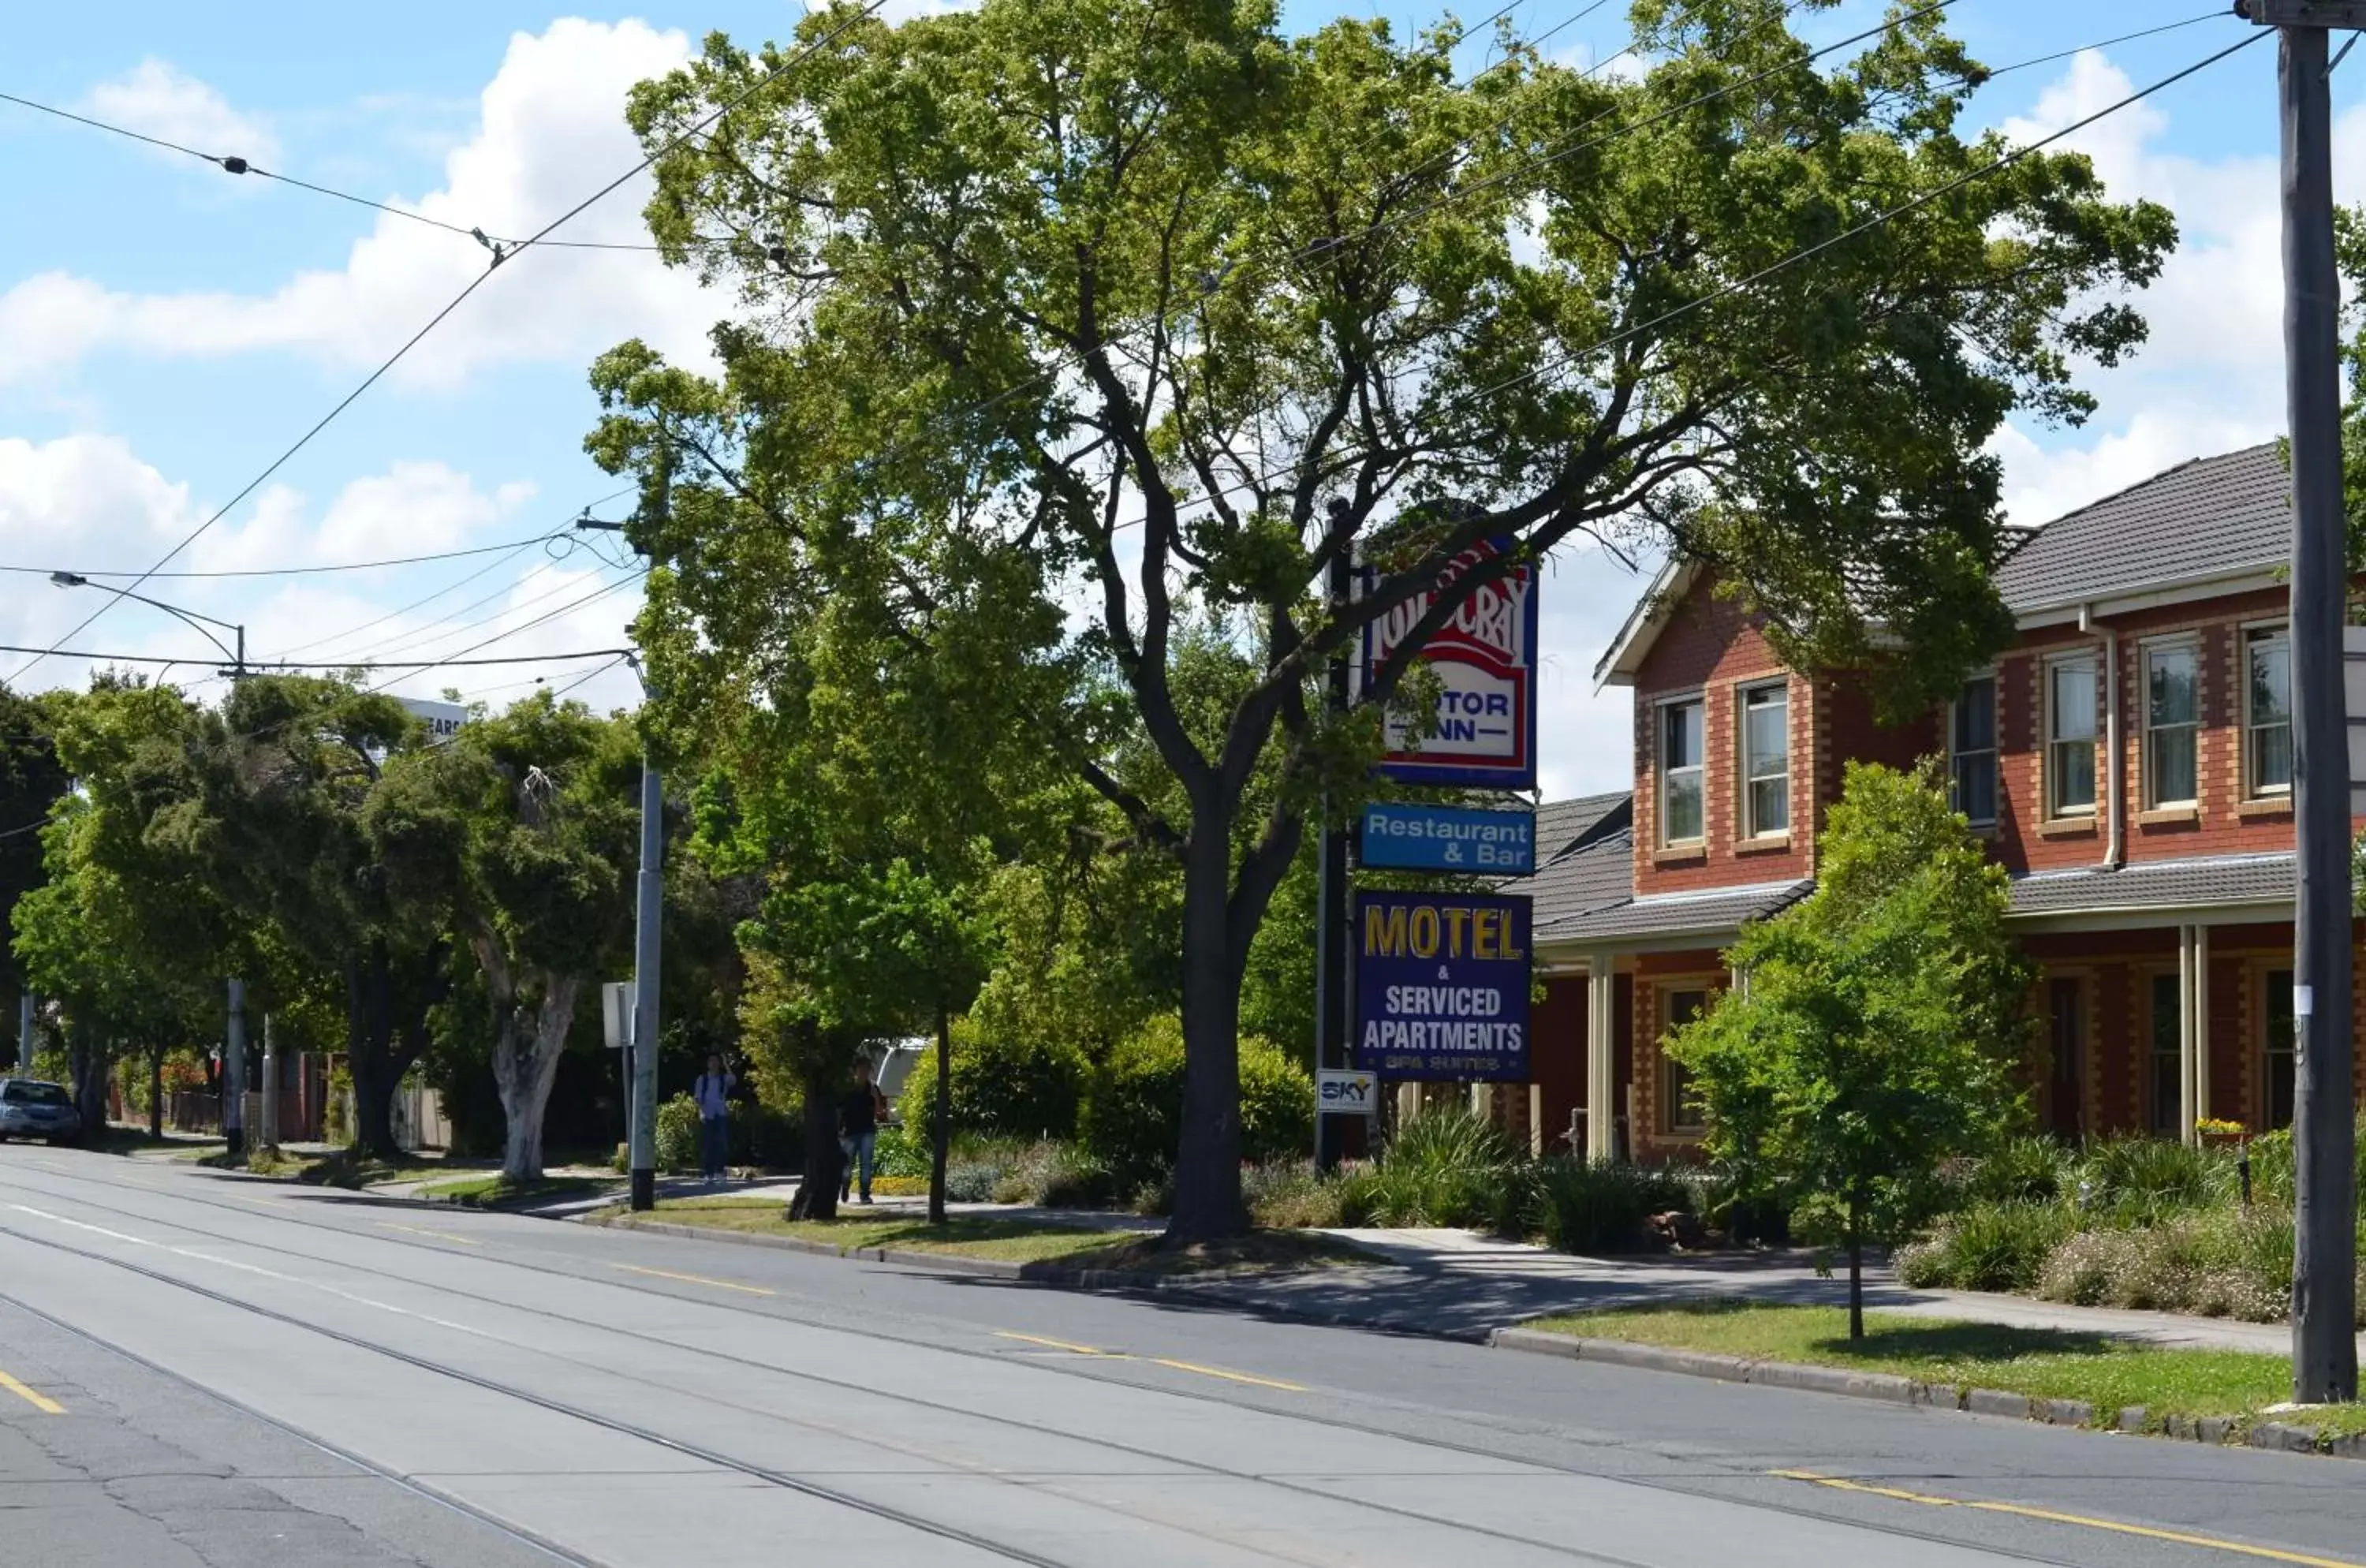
(1442, 986)
(1485, 661)
(1398, 837)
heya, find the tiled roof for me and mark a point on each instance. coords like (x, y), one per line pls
(2206, 883)
(2209, 517)
(1599, 873)
(1563, 824)
(1718, 912)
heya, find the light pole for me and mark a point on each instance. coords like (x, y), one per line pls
(237, 655)
(648, 915)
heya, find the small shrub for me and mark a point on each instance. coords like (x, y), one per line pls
(971, 1181)
(1990, 1246)
(1134, 1108)
(1443, 1168)
(2021, 1171)
(1277, 1102)
(1293, 1195)
(1601, 1206)
(2137, 1181)
(678, 1133)
(901, 1152)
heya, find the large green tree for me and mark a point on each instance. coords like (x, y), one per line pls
(525, 826)
(1879, 1024)
(32, 780)
(1147, 312)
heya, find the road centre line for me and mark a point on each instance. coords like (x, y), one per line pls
(439, 1236)
(694, 1280)
(34, 1397)
(2051, 1516)
(1205, 1372)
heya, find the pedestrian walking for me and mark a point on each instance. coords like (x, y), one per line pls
(712, 1094)
(858, 1114)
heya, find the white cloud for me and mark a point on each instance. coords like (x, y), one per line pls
(156, 98)
(550, 129)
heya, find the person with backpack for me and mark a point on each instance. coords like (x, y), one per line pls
(859, 1115)
(712, 1094)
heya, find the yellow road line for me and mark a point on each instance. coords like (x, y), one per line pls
(695, 1279)
(2084, 1521)
(1057, 1345)
(41, 1402)
(439, 1236)
(1076, 1349)
(1229, 1377)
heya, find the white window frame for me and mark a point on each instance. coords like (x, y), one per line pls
(1992, 751)
(2263, 634)
(2055, 810)
(2146, 653)
(1750, 827)
(1698, 767)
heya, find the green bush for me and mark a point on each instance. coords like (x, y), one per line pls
(1003, 1087)
(1989, 1246)
(2139, 1181)
(1591, 1207)
(1293, 1195)
(1443, 1168)
(901, 1151)
(678, 1133)
(765, 1137)
(2021, 1171)
(1134, 1108)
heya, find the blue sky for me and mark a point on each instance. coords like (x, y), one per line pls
(166, 329)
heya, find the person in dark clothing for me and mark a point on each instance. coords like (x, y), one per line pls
(858, 1114)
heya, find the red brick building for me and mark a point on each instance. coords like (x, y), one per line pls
(2129, 757)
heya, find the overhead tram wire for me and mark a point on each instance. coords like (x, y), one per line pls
(264, 667)
(444, 630)
(234, 164)
(321, 571)
(767, 79)
(1739, 284)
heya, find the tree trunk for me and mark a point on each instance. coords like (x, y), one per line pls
(817, 1188)
(1856, 1276)
(525, 1064)
(156, 1094)
(369, 1029)
(1208, 1156)
(940, 1119)
(87, 1059)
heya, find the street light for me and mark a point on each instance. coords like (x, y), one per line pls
(237, 656)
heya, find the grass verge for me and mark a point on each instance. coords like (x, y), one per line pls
(2103, 1372)
(492, 1191)
(1012, 1240)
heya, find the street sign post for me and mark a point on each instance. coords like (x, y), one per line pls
(1442, 986)
(1485, 661)
(1400, 837)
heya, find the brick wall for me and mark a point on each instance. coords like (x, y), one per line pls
(1656, 976)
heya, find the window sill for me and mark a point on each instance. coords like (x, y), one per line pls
(2067, 828)
(1681, 854)
(1764, 844)
(2165, 816)
(1682, 1135)
(2265, 806)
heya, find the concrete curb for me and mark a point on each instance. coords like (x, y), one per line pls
(2278, 1437)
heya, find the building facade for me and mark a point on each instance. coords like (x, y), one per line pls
(2128, 757)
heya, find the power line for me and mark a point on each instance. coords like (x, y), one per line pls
(474, 284)
(232, 164)
(263, 667)
(442, 629)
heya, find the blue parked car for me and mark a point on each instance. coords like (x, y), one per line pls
(31, 1109)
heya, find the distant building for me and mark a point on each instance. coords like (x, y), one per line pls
(443, 719)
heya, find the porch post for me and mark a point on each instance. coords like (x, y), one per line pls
(1601, 1055)
(2201, 1025)
(2188, 1049)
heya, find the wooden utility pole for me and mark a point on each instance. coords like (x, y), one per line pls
(2325, 1347)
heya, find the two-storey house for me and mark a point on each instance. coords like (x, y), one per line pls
(2128, 756)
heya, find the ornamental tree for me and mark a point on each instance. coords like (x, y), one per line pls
(1879, 1025)
(1144, 313)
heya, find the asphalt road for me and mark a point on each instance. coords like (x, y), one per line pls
(200, 1368)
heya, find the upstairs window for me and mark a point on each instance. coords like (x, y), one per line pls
(1766, 760)
(1972, 752)
(2267, 721)
(1680, 773)
(2070, 738)
(2171, 720)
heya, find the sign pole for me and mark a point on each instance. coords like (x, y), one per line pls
(1331, 906)
(2325, 1353)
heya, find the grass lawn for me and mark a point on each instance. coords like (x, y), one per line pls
(1011, 1240)
(2045, 1363)
(489, 1190)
